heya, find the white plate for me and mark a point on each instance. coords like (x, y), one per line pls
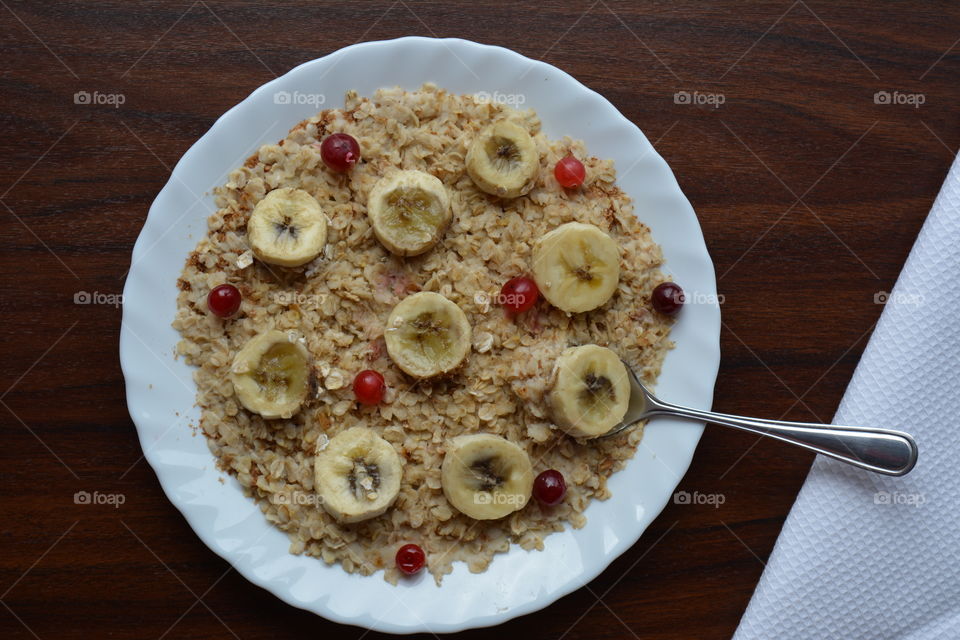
(160, 390)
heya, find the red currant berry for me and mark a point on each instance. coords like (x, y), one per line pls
(410, 559)
(519, 294)
(369, 387)
(570, 172)
(224, 300)
(549, 487)
(667, 298)
(340, 151)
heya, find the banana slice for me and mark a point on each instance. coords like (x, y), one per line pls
(271, 374)
(287, 228)
(409, 211)
(427, 335)
(503, 160)
(591, 391)
(576, 266)
(357, 475)
(485, 476)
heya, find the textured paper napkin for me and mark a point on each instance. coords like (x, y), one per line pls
(868, 556)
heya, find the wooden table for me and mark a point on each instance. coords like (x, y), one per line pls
(810, 187)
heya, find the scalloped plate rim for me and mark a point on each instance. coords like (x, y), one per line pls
(708, 365)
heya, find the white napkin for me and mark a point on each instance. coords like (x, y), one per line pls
(868, 556)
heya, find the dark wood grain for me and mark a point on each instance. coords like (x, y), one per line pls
(809, 194)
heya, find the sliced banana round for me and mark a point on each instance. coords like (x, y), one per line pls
(427, 335)
(486, 476)
(576, 267)
(357, 475)
(287, 228)
(271, 374)
(591, 391)
(409, 211)
(503, 160)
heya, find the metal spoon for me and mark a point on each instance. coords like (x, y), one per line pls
(889, 452)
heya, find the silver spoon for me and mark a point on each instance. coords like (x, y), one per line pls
(889, 452)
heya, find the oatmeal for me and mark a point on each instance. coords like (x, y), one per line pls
(333, 300)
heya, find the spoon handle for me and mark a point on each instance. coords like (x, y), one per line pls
(889, 452)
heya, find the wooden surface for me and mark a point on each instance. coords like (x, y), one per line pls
(809, 193)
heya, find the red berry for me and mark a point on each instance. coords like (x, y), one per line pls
(224, 300)
(340, 151)
(570, 172)
(549, 487)
(369, 386)
(410, 559)
(519, 294)
(667, 298)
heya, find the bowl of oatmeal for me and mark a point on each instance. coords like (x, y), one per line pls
(358, 288)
